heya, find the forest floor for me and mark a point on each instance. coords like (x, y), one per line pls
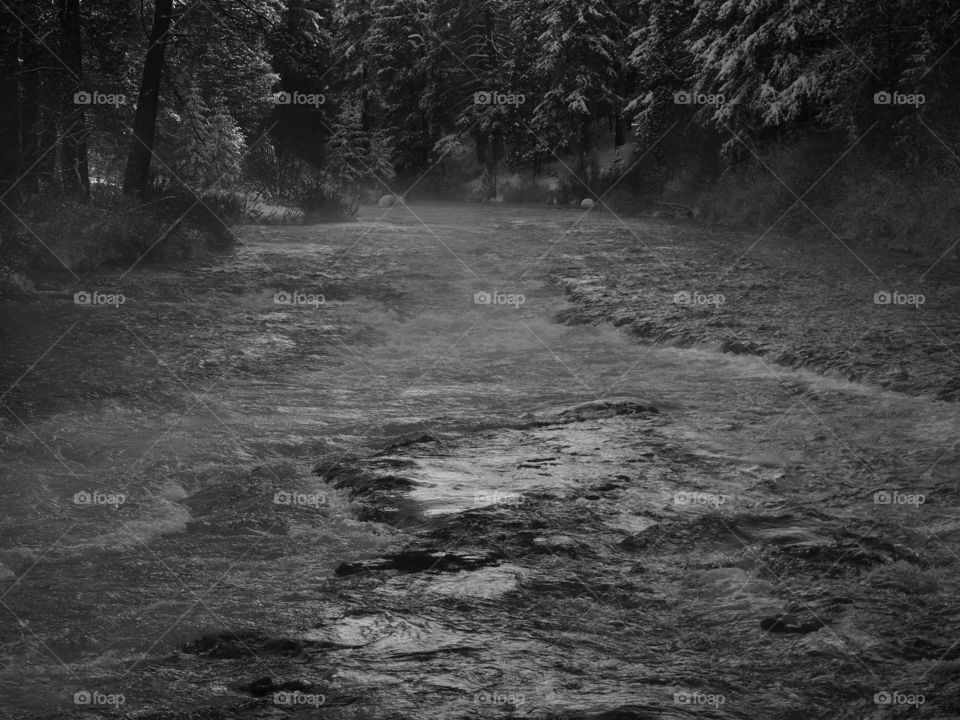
(321, 476)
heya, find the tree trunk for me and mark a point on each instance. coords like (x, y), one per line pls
(30, 108)
(145, 121)
(9, 101)
(49, 149)
(584, 145)
(76, 177)
(493, 160)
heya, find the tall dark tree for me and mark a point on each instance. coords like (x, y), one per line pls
(137, 176)
(33, 62)
(76, 178)
(9, 98)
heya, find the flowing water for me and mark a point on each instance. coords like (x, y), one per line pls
(182, 501)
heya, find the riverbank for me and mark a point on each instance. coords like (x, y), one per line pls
(838, 308)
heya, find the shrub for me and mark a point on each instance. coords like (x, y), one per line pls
(320, 203)
(82, 236)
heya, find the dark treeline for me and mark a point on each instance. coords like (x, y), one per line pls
(753, 110)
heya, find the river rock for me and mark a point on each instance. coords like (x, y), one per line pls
(231, 645)
(265, 686)
(413, 561)
(790, 623)
(607, 407)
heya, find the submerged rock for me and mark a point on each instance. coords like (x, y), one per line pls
(266, 685)
(650, 712)
(606, 407)
(252, 643)
(412, 561)
(789, 623)
(243, 644)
